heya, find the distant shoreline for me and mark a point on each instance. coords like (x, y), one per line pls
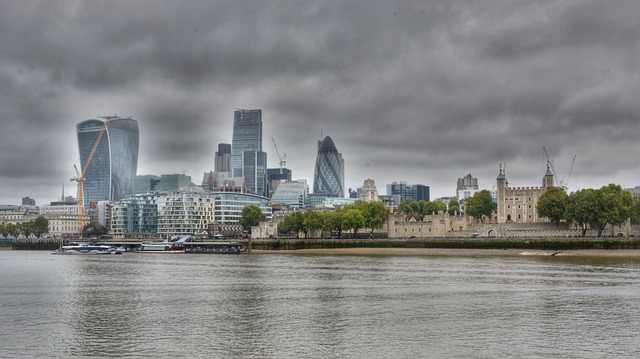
(632, 253)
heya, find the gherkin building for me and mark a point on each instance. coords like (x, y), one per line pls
(328, 177)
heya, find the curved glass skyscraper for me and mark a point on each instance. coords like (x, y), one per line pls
(328, 177)
(112, 169)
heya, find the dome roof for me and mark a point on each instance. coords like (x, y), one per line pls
(327, 145)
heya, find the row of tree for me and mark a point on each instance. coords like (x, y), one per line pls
(589, 208)
(353, 217)
(418, 209)
(36, 227)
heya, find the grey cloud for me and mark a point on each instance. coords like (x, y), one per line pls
(415, 91)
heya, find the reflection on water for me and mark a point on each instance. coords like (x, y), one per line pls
(291, 306)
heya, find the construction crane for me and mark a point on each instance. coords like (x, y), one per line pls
(282, 158)
(80, 176)
(570, 171)
(560, 181)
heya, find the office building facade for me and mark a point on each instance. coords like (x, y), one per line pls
(222, 161)
(328, 178)
(247, 158)
(400, 192)
(111, 167)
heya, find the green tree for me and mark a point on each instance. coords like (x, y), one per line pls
(315, 221)
(552, 204)
(251, 216)
(41, 226)
(430, 208)
(612, 205)
(412, 208)
(635, 211)
(12, 230)
(3, 230)
(27, 228)
(375, 215)
(334, 221)
(94, 229)
(579, 209)
(454, 207)
(353, 220)
(293, 223)
(480, 205)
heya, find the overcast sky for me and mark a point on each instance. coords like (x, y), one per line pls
(417, 91)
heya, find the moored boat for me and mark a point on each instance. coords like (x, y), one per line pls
(88, 248)
(161, 248)
(215, 247)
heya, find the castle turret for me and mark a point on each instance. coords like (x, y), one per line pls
(501, 186)
(547, 180)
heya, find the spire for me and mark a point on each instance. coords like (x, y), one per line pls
(62, 199)
(501, 175)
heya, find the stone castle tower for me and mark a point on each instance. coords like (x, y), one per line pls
(518, 204)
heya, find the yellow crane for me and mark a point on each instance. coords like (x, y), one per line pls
(80, 178)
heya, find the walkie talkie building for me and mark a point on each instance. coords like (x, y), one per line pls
(329, 172)
(111, 168)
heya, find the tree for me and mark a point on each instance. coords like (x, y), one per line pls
(293, 223)
(251, 216)
(375, 215)
(17, 229)
(612, 206)
(334, 222)
(578, 209)
(552, 204)
(412, 208)
(635, 211)
(27, 228)
(11, 230)
(353, 220)
(3, 230)
(314, 221)
(430, 208)
(94, 229)
(41, 226)
(454, 207)
(480, 205)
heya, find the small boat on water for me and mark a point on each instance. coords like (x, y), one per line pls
(215, 247)
(161, 248)
(88, 248)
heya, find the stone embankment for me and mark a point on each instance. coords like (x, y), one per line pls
(490, 243)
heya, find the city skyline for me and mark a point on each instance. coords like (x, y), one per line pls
(411, 91)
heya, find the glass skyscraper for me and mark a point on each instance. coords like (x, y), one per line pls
(328, 177)
(111, 171)
(247, 158)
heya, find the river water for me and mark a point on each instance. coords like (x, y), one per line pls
(318, 306)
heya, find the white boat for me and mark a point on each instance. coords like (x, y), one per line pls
(160, 248)
(88, 248)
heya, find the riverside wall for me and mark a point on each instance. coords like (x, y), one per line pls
(487, 243)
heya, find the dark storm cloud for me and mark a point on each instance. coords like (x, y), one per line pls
(419, 91)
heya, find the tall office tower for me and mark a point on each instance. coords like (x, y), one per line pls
(328, 177)
(222, 161)
(109, 151)
(467, 182)
(247, 158)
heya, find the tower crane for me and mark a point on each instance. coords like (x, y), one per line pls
(570, 171)
(80, 177)
(561, 182)
(282, 158)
